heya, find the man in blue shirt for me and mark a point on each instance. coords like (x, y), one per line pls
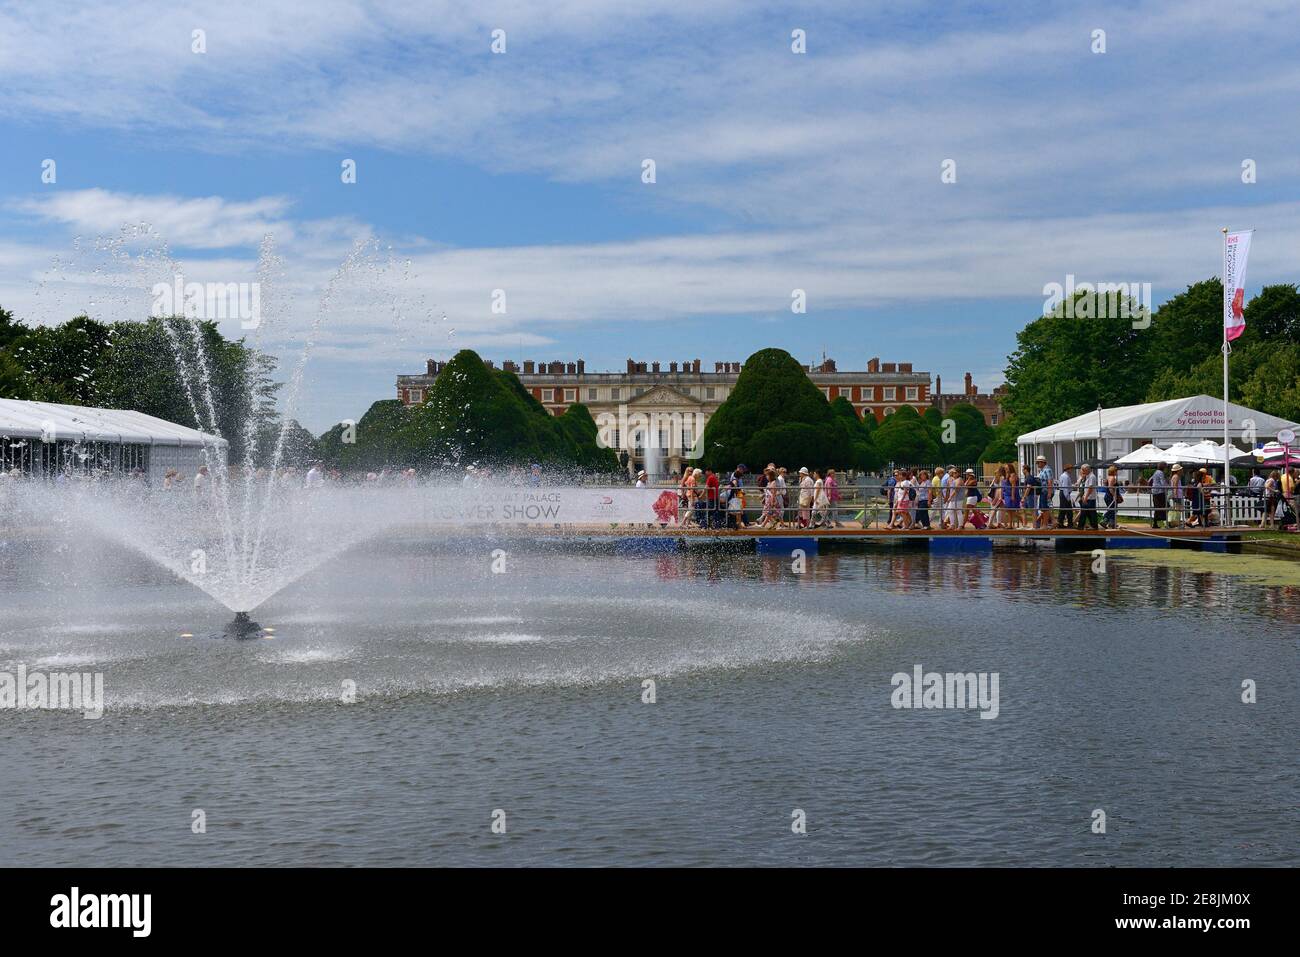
(1159, 498)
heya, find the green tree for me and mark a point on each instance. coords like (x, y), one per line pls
(379, 439)
(1187, 328)
(1274, 314)
(775, 414)
(970, 434)
(1064, 366)
(862, 453)
(581, 431)
(1273, 385)
(904, 439)
(61, 361)
(1002, 443)
(474, 414)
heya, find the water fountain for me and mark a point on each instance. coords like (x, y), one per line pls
(251, 528)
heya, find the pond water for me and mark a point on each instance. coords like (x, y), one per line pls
(409, 695)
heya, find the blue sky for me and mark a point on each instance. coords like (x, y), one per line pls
(521, 171)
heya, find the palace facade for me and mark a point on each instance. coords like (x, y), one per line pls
(657, 411)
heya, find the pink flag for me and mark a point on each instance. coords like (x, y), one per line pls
(1235, 250)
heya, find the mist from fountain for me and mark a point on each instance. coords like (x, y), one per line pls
(253, 529)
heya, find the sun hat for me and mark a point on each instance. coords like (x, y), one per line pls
(1041, 458)
(970, 471)
(804, 470)
(640, 473)
(1176, 468)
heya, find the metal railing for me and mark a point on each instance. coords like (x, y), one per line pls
(1206, 508)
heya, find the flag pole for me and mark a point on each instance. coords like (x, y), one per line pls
(1227, 349)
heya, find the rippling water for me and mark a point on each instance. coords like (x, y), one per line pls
(522, 691)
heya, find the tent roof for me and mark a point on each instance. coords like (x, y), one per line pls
(1195, 417)
(19, 418)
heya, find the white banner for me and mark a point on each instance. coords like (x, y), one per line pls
(1236, 247)
(545, 505)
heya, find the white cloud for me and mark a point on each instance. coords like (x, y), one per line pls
(203, 223)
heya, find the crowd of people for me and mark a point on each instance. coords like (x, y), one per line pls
(1035, 498)
(810, 499)
(951, 499)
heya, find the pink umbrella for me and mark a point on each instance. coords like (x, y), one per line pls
(1275, 455)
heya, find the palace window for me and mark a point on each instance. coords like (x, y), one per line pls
(615, 393)
(866, 393)
(415, 395)
(889, 393)
(708, 392)
(911, 393)
(890, 409)
(591, 395)
(570, 395)
(548, 395)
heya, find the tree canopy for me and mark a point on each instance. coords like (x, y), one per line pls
(1064, 367)
(472, 415)
(132, 365)
(776, 414)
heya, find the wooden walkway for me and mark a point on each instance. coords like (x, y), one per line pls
(853, 533)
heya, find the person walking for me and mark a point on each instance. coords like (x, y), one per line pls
(711, 515)
(1114, 496)
(1087, 497)
(1194, 501)
(771, 514)
(684, 496)
(923, 488)
(805, 497)
(783, 496)
(1012, 495)
(736, 509)
(995, 497)
(821, 502)
(1288, 484)
(1207, 498)
(970, 492)
(939, 498)
(1159, 498)
(1272, 496)
(1029, 497)
(1177, 496)
(1046, 490)
(832, 498)
(1065, 489)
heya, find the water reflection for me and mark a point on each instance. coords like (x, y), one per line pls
(1030, 575)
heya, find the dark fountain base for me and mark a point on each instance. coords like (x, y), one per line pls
(242, 627)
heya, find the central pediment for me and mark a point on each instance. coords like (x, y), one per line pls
(664, 395)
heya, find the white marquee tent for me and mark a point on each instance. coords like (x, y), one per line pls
(1105, 435)
(44, 437)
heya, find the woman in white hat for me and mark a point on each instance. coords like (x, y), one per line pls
(1176, 516)
(640, 479)
(806, 487)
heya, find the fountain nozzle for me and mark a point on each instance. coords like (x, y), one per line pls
(243, 627)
